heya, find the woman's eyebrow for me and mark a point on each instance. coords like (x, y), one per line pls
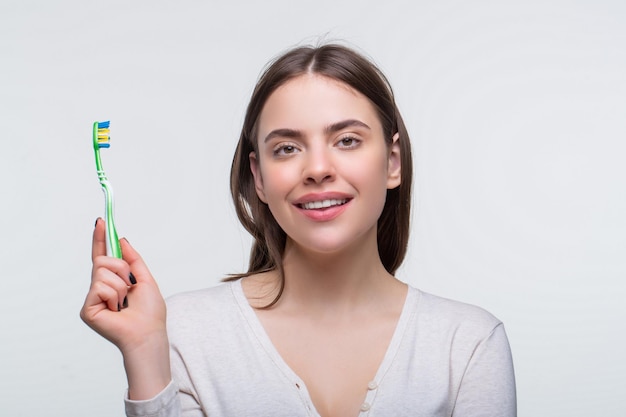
(283, 133)
(297, 134)
(335, 127)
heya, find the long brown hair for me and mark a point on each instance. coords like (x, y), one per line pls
(342, 64)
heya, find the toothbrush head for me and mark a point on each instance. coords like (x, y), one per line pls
(101, 136)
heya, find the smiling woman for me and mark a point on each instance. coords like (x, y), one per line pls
(318, 325)
(353, 73)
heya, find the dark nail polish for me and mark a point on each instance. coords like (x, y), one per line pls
(96, 223)
(125, 305)
(132, 278)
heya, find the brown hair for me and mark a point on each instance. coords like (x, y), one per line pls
(342, 64)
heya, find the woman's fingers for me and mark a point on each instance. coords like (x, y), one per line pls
(98, 245)
(107, 291)
(139, 271)
(123, 269)
(107, 295)
(112, 281)
(118, 266)
(124, 303)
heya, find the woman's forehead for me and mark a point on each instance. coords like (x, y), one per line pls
(313, 99)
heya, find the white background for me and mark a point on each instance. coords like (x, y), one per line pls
(517, 112)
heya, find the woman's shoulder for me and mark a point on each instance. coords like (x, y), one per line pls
(200, 294)
(446, 314)
(204, 303)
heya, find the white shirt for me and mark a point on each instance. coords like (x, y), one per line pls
(445, 358)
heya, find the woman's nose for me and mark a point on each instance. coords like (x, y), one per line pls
(319, 165)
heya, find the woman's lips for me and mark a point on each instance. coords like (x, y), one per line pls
(323, 204)
(323, 207)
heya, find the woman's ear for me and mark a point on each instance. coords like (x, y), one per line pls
(258, 179)
(394, 164)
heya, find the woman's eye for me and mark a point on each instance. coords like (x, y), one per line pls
(348, 142)
(286, 149)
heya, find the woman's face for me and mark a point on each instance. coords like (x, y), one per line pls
(323, 166)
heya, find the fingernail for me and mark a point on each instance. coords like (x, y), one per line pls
(96, 223)
(132, 278)
(125, 305)
(118, 307)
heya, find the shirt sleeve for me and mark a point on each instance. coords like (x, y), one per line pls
(488, 385)
(171, 402)
(164, 404)
(176, 400)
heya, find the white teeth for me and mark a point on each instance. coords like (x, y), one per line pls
(323, 204)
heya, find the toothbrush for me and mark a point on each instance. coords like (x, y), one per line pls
(101, 139)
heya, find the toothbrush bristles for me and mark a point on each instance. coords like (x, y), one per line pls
(103, 135)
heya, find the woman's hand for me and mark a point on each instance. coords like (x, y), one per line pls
(125, 306)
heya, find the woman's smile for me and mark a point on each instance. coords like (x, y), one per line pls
(322, 207)
(323, 204)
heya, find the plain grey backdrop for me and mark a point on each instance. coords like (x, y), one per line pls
(517, 114)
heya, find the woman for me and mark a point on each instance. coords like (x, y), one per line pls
(318, 326)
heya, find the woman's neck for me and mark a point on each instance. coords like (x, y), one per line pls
(336, 283)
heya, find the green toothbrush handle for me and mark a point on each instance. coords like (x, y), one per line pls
(113, 242)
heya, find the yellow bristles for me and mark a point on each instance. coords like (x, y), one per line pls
(103, 135)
